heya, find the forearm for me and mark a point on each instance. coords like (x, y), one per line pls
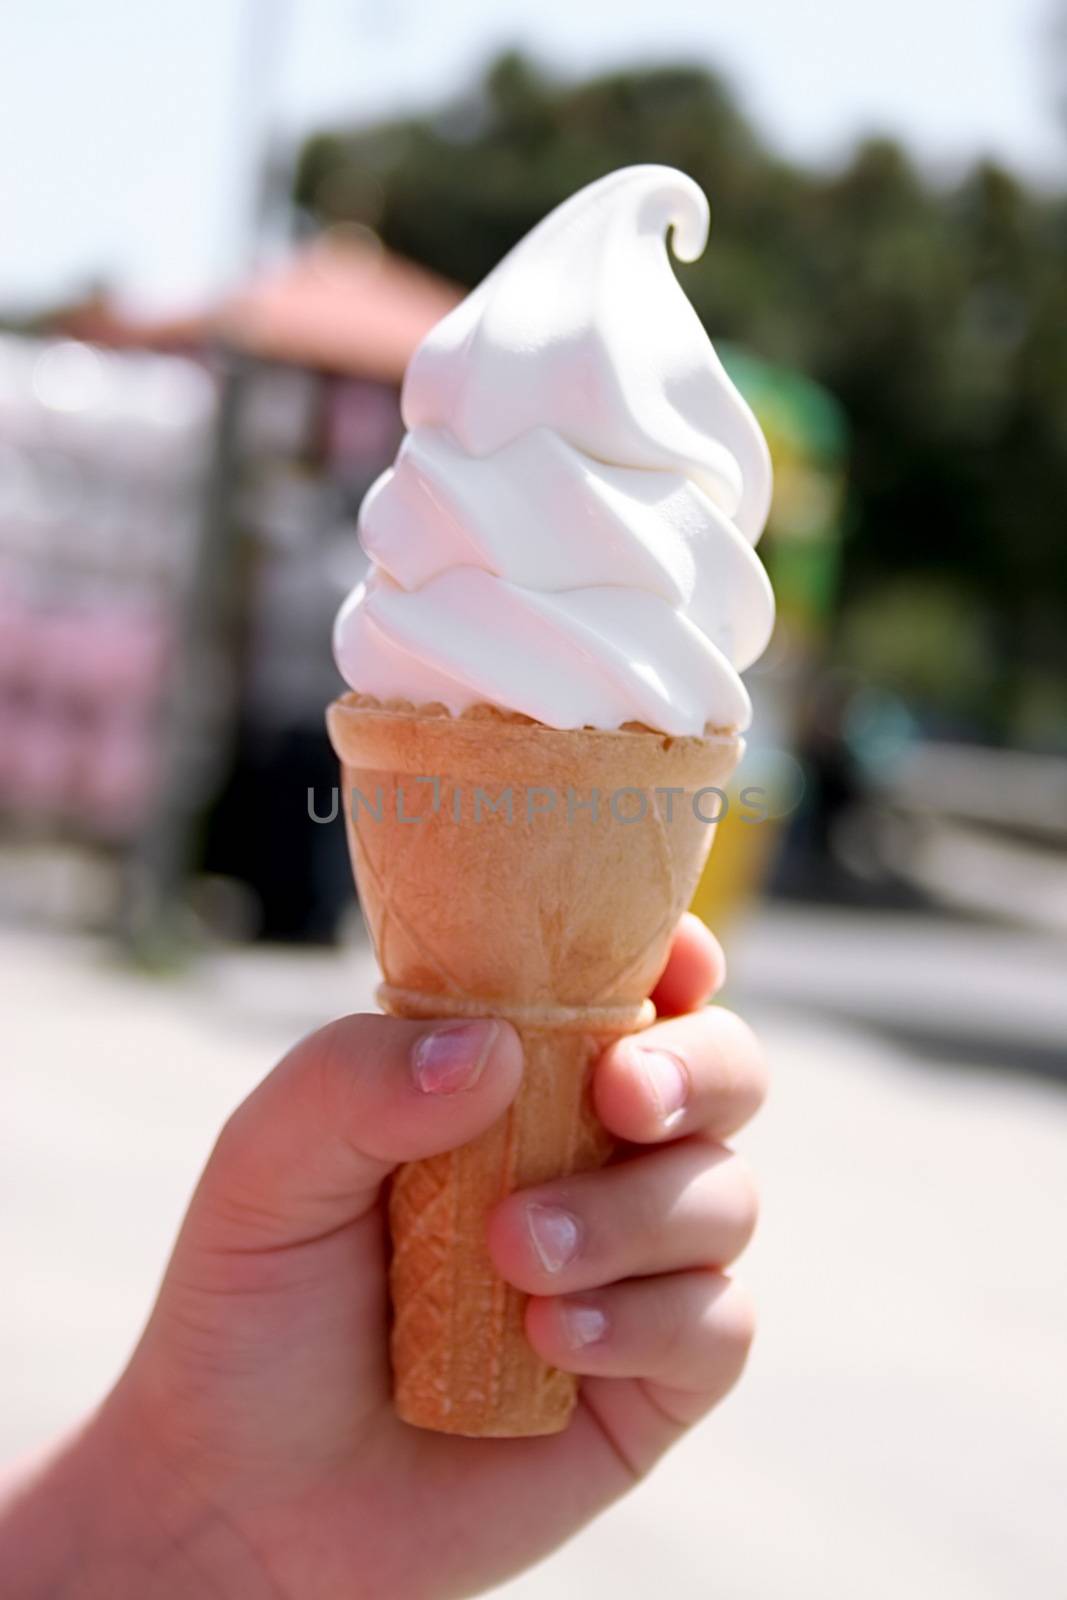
(97, 1519)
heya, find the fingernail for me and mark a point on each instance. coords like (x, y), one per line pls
(582, 1324)
(451, 1058)
(667, 1079)
(555, 1235)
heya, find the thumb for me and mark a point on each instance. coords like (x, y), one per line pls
(307, 1151)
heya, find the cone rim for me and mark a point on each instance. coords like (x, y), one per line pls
(352, 706)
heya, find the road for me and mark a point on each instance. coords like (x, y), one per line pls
(902, 1427)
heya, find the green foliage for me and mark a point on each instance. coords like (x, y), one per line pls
(946, 651)
(937, 315)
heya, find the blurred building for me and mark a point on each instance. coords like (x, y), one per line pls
(103, 462)
(177, 525)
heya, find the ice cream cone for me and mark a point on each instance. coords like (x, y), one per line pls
(553, 909)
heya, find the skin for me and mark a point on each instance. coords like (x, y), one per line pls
(250, 1447)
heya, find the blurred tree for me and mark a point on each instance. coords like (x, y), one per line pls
(938, 315)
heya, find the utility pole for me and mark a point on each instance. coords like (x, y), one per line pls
(204, 701)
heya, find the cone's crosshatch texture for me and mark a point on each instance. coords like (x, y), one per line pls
(555, 915)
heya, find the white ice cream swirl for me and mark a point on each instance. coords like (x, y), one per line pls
(567, 531)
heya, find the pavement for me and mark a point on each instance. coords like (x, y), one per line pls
(901, 1430)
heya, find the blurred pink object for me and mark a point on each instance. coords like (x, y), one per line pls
(40, 776)
(123, 656)
(118, 778)
(100, 652)
(14, 627)
(80, 689)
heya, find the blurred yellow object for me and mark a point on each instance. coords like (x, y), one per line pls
(808, 439)
(735, 869)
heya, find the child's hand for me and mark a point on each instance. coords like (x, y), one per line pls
(251, 1446)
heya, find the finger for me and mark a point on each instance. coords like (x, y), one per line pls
(688, 1205)
(695, 970)
(690, 1332)
(307, 1151)
(701, 1073)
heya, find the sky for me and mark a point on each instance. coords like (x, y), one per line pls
(130, 131)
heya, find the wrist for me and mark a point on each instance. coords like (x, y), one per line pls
(103, 1517)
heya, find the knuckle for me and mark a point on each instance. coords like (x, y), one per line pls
(745, 1199)
(675, 1326)
(618, 1227)
(736, 1322)
(231, 1141)
(329, 1087)
(325, 1076)
(730, 1207)
(744, 1065)
(727, 1201)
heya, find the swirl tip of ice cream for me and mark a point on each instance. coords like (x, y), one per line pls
(567, 531)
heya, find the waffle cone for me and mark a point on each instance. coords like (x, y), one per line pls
(558, 920)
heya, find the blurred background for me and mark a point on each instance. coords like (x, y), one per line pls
(227, 224)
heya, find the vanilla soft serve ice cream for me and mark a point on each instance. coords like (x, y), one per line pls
(568, 529)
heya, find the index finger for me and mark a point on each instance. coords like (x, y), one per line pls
(695, 970)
